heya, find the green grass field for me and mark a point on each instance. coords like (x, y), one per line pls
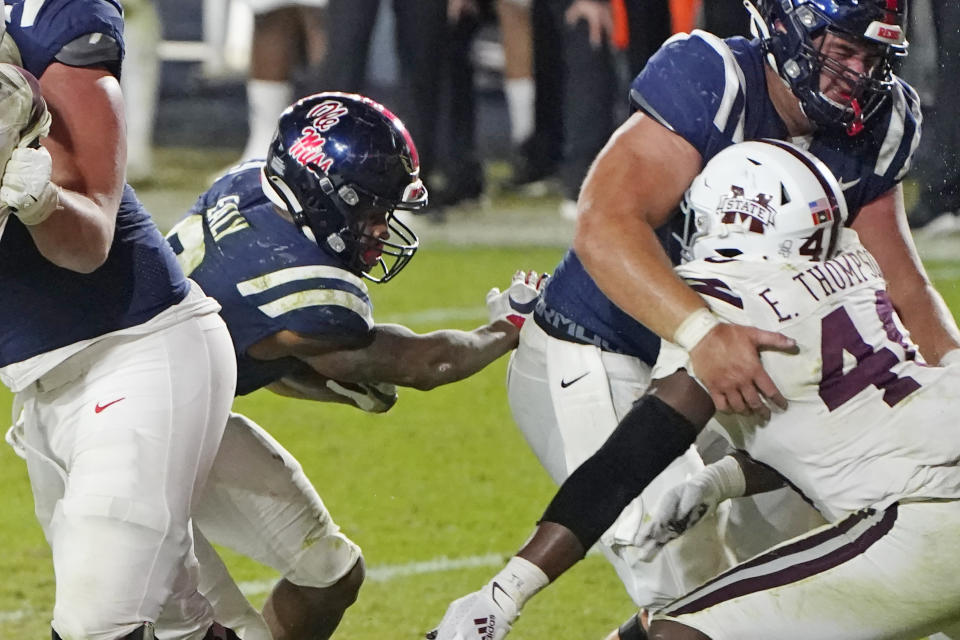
(438, 492)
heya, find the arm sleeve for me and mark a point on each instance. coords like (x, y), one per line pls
(647, 440)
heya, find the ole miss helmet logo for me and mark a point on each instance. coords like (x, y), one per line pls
(308, 150)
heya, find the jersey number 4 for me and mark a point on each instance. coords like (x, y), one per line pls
(873, 367)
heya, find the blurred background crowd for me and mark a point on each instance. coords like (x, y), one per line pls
(533, 87)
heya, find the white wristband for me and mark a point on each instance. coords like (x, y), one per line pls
(694, 327)
(727, 476)
(521, 579)
(949, 358)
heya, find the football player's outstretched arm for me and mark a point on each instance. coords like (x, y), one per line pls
(399, 356)
(395, 355)
(634, 185)
(87, 148)
(882, 227)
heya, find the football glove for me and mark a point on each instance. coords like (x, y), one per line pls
(25, 187)
(487, 614)
(686, 504)
(376, 397)
(517, 302)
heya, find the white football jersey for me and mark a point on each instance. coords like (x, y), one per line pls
(868, 423)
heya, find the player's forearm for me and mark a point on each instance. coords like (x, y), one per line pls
(76, 236)
(450, 355)
(634, 186)
(931, 325)
(553, 548)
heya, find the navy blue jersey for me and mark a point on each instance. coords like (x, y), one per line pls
(266, 275)
(46, 307)
(713, 93)
(45, 29)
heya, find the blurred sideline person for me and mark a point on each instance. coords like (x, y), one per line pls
(460, 176)
(120, 365)
(697, 95)
(140, 84)
(285, 246)
(419, 34)
(286, 33)
(938, 169)
(885, 566)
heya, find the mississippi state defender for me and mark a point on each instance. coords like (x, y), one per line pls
(121, 366)
(286, 246)
(870, 435)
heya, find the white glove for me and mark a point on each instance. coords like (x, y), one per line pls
(372, 397)
(686, 504)
(517, 302)
(24, 118)
(26, 186)
(487, 614)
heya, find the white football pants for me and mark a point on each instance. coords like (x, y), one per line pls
(258, 502)
(567, 399)
(118, 439)
(881, 575)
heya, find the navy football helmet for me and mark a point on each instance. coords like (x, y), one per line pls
(336, 160)
(788, 28)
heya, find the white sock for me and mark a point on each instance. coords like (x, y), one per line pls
(520, 94)
(266, 100)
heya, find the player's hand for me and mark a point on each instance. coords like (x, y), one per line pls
(483, 615)
(686, 504)
(517, 302)
(727, 361)
(372, 397)
(597, 15)
(26, 188)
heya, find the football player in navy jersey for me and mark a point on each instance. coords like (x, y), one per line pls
(121, 366)
(286, 245)
(820, 77)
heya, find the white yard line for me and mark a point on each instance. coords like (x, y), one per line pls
(388, 572)
(383, 573)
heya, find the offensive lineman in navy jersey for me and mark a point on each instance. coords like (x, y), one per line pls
(285, 245)
(819, 77)
(121, 366)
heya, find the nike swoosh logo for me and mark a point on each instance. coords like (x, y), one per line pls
(100, 407)
(566, 383)
(846, 185)
(493, 594)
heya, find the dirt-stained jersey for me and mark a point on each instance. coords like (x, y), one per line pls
(713, 92)
(868, 422)
(266, 275)
(140, 277)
